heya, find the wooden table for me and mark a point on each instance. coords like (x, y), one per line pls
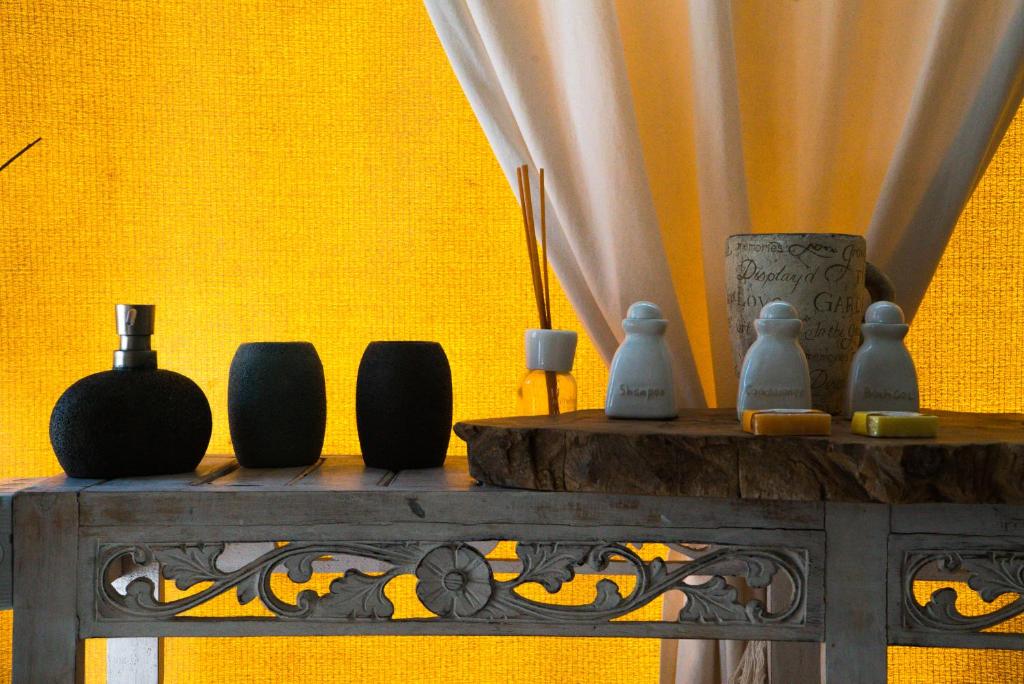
(86, 554)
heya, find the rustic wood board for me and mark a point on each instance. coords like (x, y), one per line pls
(977, 458)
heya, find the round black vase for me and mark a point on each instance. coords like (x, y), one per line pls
(404, 405)
(129, 423)
(277, 404)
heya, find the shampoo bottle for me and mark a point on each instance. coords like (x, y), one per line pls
(640, 382)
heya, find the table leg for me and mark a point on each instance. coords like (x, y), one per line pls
(138, 660)
(47, 649)
(855, 593)
(790, 662)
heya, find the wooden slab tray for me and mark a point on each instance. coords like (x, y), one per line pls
(977, 458)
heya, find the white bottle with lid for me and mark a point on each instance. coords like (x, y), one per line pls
(640, 381)
(547, 388)
(775, 373)
(882, 377)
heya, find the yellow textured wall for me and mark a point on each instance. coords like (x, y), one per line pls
(968, 343)
(968, 336)
(284, 170)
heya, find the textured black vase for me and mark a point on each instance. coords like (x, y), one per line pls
(277, 404)
(133, 420)
(404, 405)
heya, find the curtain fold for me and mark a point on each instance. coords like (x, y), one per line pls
(667, 125)
(960, 111)
(546, 81)
(721, 178)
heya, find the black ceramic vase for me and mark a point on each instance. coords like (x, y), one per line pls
(404, 405)
(134, 420)
(277, 404)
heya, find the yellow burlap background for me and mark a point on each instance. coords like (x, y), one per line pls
(267, 170)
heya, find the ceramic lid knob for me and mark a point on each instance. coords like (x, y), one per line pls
(644, 311)
(778, 310)
(884, 312)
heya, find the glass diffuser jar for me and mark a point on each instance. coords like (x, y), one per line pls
(548, 387)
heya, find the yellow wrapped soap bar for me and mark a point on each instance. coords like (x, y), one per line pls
(787, 422)
(894, 424)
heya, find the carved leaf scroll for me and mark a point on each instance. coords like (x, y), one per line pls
(140, 595)
(991, 574)
(300, 566)
(354, 595)
(188, 565)
(551, 565)
(608, 596)
(760, 571)
(714, 601)
(998, 574)
(248, 589)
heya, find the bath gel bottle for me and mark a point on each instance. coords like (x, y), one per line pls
(882, 377)
(640, 382)
(135, 419)
(775, 373)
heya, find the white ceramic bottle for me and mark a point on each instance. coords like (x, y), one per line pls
(775, 374)
(882, 377)
(640, 382)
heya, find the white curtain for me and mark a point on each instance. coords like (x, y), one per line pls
(665, 125)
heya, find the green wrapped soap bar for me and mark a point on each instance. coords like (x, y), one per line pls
(894, 424)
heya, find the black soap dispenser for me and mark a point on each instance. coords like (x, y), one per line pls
(133, 420)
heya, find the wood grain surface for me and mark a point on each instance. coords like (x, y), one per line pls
(977, 458)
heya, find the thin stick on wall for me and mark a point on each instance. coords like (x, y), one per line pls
(22, 151)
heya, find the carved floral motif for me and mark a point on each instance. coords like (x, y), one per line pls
(456, 582)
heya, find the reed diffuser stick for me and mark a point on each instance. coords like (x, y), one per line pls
(531, 230)
(544, 246)
(539, 274)
(524, 189)
(550, 377)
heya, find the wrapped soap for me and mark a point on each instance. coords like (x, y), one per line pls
(787, 422)
(894, 424)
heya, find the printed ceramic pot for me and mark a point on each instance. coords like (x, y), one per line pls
(826, 276)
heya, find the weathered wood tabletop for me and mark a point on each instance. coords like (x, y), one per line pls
(977, 458)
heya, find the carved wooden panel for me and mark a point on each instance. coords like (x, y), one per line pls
(457, 583)
(963, 570)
